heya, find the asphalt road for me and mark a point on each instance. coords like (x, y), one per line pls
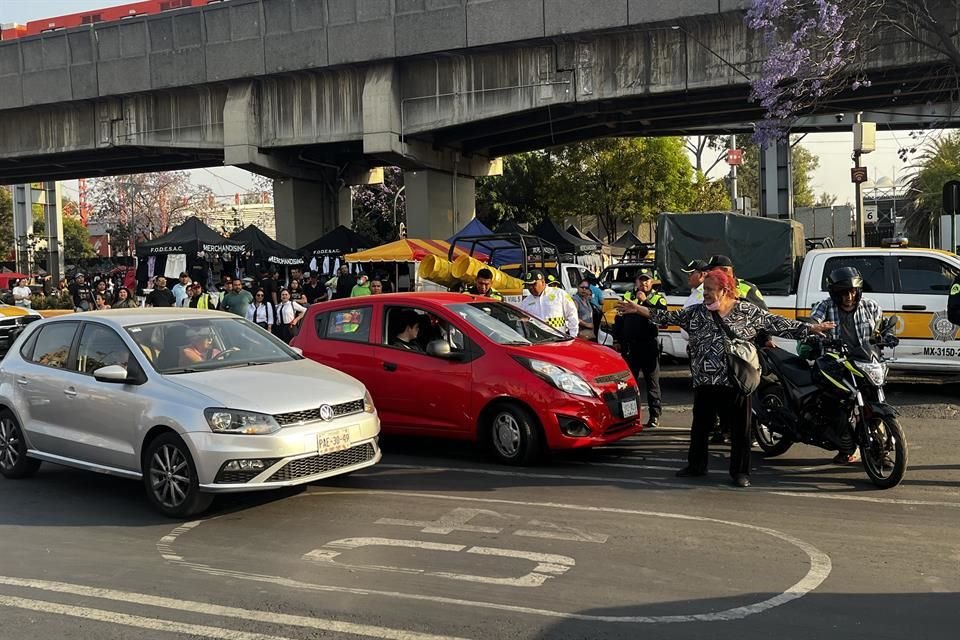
(436, 542)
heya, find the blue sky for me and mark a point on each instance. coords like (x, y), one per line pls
(833, 149)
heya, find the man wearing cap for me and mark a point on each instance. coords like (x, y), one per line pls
(82, 294)
(198, 299)
(696, 271)
(553, 306)
(637, 338)
(483, 285)
(181, 290)
(745, 290)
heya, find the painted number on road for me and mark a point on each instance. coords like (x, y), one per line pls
(459, 520)
(546, 565)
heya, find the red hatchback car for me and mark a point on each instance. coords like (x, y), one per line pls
(461, 366)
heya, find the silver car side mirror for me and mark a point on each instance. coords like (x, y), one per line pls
(111, 373)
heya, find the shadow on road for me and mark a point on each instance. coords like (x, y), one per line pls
(856, 616)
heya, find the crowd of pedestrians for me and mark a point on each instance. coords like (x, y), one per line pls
(277, 302)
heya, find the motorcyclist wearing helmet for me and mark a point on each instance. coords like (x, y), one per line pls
(857, 320)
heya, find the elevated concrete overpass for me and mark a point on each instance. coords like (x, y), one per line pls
(317, 92)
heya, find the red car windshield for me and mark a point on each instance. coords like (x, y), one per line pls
(504, 324)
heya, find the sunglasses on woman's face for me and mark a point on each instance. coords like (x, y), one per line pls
(259, 295)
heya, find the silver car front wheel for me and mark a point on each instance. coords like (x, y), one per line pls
(170, 477)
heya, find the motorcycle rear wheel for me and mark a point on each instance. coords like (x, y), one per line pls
(771, 443)
(883, 439)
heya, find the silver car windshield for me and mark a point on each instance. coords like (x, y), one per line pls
(205, 344)
(505, 324)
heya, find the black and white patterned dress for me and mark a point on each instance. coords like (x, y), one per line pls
(707, 358)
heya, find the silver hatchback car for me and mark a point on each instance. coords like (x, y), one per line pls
(194, 403)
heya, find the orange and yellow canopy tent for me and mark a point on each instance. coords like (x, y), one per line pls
(409, 250)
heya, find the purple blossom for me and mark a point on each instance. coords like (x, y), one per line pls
(811, 45)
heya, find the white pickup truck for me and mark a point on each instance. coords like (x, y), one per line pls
(912, 284)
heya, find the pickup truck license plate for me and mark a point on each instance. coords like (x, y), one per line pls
(629, 408)
(333, 441)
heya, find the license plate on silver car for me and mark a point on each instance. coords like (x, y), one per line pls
(333, 441)
(629, 408)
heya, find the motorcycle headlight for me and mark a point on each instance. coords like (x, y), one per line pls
(559, 377)
(240, 422)
(875, 372)
(368, 403)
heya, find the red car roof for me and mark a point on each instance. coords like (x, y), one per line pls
(437, 297)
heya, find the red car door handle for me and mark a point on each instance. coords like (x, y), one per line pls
(390, 366)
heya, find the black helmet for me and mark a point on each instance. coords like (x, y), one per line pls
(844, 279)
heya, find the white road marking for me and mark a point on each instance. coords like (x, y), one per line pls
(666, 483)
(546, 563)
(527, 474)
(902, 501)
(270, 617)
(820, 566)
(453, 520)
(127, 620)
(552, 531)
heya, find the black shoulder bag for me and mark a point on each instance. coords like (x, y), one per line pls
(743, 362)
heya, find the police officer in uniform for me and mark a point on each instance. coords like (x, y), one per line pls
(483, 285)
(953, 302)
(637, 337)
(553, 306)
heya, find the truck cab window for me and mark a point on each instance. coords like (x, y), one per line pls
(876, 276)
(925, 275)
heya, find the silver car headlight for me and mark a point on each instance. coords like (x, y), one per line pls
(240, 422)
(558, 377)
(368, 403)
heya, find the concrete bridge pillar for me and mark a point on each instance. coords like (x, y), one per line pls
(306, 210)
(438, 203)
(776, 180)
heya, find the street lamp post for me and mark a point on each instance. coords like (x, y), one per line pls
(395, 198)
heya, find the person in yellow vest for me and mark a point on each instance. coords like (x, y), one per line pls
(553, 306)
(637, 339)
(198, 299)
(483, 285)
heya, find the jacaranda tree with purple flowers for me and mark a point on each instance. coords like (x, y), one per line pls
(818, 48)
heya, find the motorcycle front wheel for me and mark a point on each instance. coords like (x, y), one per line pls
(884, 451)
(771, 443)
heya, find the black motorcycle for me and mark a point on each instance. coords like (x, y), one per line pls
(835, 400)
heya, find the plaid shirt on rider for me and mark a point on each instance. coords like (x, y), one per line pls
(866, 317)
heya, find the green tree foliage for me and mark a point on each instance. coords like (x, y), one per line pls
(938, 163)
(804, 164)
(6, 224)
(76, 238)
(710, 195)
(621, 179)
(521, 193)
